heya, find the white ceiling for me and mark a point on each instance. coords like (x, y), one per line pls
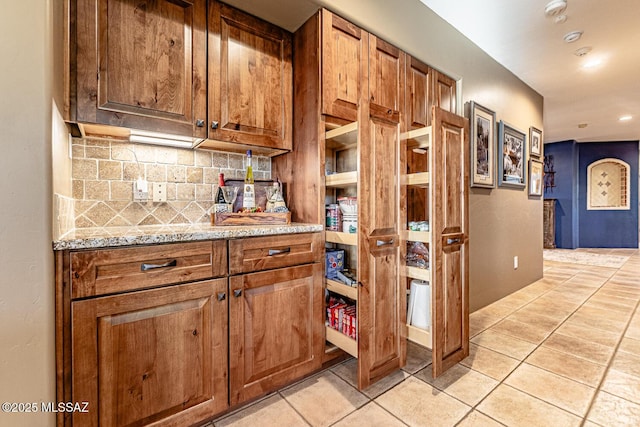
(517, 34)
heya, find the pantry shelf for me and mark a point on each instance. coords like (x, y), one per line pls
(416, 236)
(419, 336)
(341, 238)
(341, 180)
(342, 137)
(342, 289)
(342, 341)
(418, 138)
(420, 179)
(418, 273)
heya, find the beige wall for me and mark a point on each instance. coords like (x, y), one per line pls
(503, 222)
(26, 282)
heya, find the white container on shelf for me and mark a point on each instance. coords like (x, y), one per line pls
(419, 309)
(350, 223)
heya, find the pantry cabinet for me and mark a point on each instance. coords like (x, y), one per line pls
(344, 47)
(250, 80)
(433, 192)
(139, 64)
(365, 155)
(444, 90)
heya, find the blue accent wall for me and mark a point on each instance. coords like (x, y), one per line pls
(577, 227)
(565, 179)
(608, 228)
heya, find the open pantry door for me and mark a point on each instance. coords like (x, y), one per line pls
(450, 254)
(381, 301)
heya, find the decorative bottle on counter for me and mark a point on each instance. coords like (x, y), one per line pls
(220, 204)
(249, 196)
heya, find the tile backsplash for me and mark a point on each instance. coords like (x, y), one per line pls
(104, 171)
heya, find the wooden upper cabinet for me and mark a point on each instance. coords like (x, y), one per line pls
(140, 64)
(250, 79)
(343, 51)
(418, 94)
(386, 65)
(444, 92)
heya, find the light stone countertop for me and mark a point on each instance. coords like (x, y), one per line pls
(103, 237)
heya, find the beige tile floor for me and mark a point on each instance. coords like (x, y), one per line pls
(563, 351)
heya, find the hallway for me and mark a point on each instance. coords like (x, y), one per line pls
(563, 351)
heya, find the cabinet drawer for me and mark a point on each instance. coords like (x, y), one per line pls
(265, 253)
(107, 271)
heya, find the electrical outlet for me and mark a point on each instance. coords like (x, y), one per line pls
(140, 190)
(515, 262)
(159, 192)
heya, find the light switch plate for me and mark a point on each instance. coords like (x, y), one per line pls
(159, 192)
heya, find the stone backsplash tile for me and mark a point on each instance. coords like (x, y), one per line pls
(104, 172)
(63, 214)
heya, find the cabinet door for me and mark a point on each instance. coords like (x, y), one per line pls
(275, 329)
(381, 302)
(142, 64)
(343, 50)
(450, 225)
(151, 356)
(444, 90)
(418, 94)
(250, 79)
(386, 64)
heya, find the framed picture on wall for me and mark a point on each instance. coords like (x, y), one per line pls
(535, 178)
(535, 142)
(512, 156)
(483, 167)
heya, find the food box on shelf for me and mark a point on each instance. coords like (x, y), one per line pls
(334, 259)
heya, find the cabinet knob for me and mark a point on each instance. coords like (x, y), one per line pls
(214, 125)
(222, 296)
(237, 292)
(199, 123)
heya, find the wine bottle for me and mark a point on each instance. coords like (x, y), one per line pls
(249, 196)
(220, 204)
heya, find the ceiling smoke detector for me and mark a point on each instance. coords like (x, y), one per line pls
(582, 51)
(560, 19)
(555, 7)
(572, 36)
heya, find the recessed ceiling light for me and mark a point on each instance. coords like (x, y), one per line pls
(555, 7)
(582, 51)
(572, 36)
(625, 118)
(582, 125)
(594, 63)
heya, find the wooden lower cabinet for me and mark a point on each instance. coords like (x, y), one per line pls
(161, 335)
(155, 356)
(275, 329)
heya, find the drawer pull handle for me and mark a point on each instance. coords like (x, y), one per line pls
(452, 241)
(146, 267)
(384, 242)
(273, 252)
(237, 292)
(221, 296)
